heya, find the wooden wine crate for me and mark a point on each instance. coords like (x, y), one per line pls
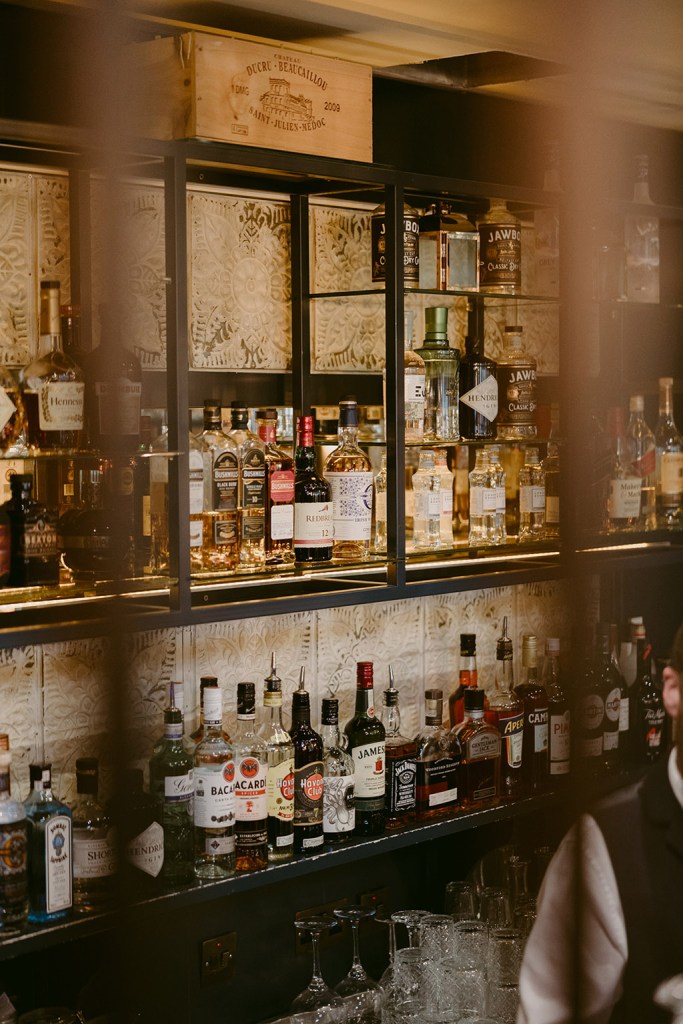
(218, 87)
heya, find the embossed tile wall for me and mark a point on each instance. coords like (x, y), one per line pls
(55, 703)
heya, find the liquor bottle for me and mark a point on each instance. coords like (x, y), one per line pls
(547, 229)
(611, 691)
(365, 741)
(339, 780)
(533, 695)
(199, 474)
(34, 559)
(70, 320)
(96, 539)
(649, 716)
(516, 389)
(14, 844)
(158, 505)
(624, 697)
(426, 483)
(400, 776)
(481, 754)
(478, 392)
(467, 678)
(640, 443)
(176, 698)
(589, 720)
(142, 522)
(497, 480)
(628, 657)
(349, 474)
(669, 459)
(500, 250)
(137, 817)
(280, 774)
(94, 844)
(641, 239)
(279, 492)
(507, 711)
(413, 383)
(113, 392)
(313, 508)
(220, 478)
(251, 786)
(484, 501)
(53, 385)
(13, 423)
(622, 509)
(449, 250)
(171, 783)
(205, 683)
(441, 378)
(531, 497)
(559, 714)
(379, 543)
(214, 794)
(446, 499)
(437, 758)
(308, 775)
(551, 472)
(461, 498)
(251, 452)
(378, 236)
(49, 849)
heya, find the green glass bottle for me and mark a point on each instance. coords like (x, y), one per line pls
(171, 780)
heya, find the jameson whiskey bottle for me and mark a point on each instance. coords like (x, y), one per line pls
(500, 250)
(349, 474)
(313, 508)
(308, 775)
(378, 242)
(280, 776)
(533, 695)
(401, 770)
(365, 740)
(478, 393)
(507, 711)
(517, 389)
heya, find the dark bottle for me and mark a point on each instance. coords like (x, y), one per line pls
(171, 782)
(313, 512)
(649, 709)
(399, 799)
(279, 492)
(481, 748)
(624, 697)
(96, 540)
(589, 717)
(612, 696)
(478, 392)
(113, 377)
(559, 714)
(280, 775)
(467, 677)
(308, 775)
(507, 711)
(438, 759)
(70, 319)
(365, 738)
(33, 531)
(138, 820)
(535, 699)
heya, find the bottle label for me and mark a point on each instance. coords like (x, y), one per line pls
(437, 782)
(218, 846)
(282, 841)
(313, 524)
(511, 729)
(118, 404)
(60, 406)
(500, 499)
(308, 794)
(57, 863)
(531, 499)
(624, 498)
(214, 796)
(671, 473)
(254, 479)
(310, 842)
(538, 720)
(612, 704)
(610, 739)
(368, 761)
(483, 500)
(225, 482)
(414, 391)
(518, 391)
(281, 522)
(624, 718)
(591, 747)
(224, 532)
(645, 465)
(280, 790)
(251, 789)
(427, 505)
(482, 746)
(483, 398)
(339, 814)
(447, 501)
(552, 508)
(282, 486)
(13, 853)
(179, 788)
(94, 858)
(500, 263)
(38, 540)
(653, 720)
(560, 739)
(146, 850)
(352, 505)
(253, 526)
(378, 243)
(401, 784)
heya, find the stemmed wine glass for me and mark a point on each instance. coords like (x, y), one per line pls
(411, 919)
(325, 1005)
(385, 980)
(361, 995)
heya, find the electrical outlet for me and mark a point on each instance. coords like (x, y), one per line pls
(378, 899)
(303, 938)
(218, 957)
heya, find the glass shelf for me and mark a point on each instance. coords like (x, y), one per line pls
(439, 293)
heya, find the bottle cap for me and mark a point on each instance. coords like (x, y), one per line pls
(436, 322)
(246, 699)
(213, 705)
(348, 412)
(301, 704)
(468, 644)
(504, 644)
(364, 675)
(433, 707)
(390, 697)
(552, 645)
(266, 414)
(272, 680)
(529, 650)
(636, 403)
(239, 414)
(330, 711)
(40, 771)
(176, 695)
(473, 699)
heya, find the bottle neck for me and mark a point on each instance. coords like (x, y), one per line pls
(273, 704)
(365, 701)
(504, 674)
(348, 434)
(468, 670)
(267, 431)
(245, 723)
(391, 719)
(474, 715)
(666, 401)
(330, 736)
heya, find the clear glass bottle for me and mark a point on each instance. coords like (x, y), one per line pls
(280, 775)
(13, 840)
(500, 250)
(49, 849)
(380, 485)
(34, 558)
(279, 492)
(214, 794)
(339, 779)
(400, 779)
(507, 710)
(309, 784)
(481, 749)
(437, 758)
(446, 502)
(640, 443)
(365, 741)
(426, 503)
(623, 499)
(483, 502)
(531, 497)
(94, 844)
(251, 452)
(171, 783)
(669, 456)
(533, 695)
(251, 785)
(220, 498)
(497, 482)
(559, 714)
(349, 473)
(313, 509)
(516, 389)
(641, 240)
(441, 378)
(414, 383)
(53, 385)
(478, 392)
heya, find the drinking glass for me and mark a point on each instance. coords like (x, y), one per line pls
(502, 1002)
(460, 901)
(385, 980)
(411, 919)
(318, 996)
(518, 870)
(504, 955)
(524, 915)
(361, 995)
(471, 943)
(437, 935)
(454, 991)
(494, 907)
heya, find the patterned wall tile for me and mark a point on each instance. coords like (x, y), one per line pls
(347, 335)
(153, 659)
(544, 609)
(17, 289)
(340, 247)
(21, 710)
(240, 282)
(385, 634)
(52, 222)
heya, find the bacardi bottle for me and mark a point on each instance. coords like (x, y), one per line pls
(365, 739)
(251, 778)
(214, 794)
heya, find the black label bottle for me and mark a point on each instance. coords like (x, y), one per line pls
(649, 709)
(308, 776)
(507, 711)
(378, 242)
(611, 692)
(589, 718)
(500, 250)
(365, 737)
(251, 785)
(399, 801)
(33, 532)
(313, 509)
(535, 740)
(478, 393)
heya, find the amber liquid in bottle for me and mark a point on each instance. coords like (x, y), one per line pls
(535, 699)
(438, 759)
(480, 744)
(279, 492)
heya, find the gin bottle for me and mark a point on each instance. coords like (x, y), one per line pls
(251, 785)
(13, 841)
(516, 389)
(531, 497)
(641, 450)
(641, 239)
(138, 820)
(49, 849)
(622, 511)
(446, 502)
(426, 503)
(441, 378)
(400, 781)
(414, 384)
(217, 454)
(171, 781)
(280, 773)
(478, 392)
(339, 779)
(483, 502)
(214, 795)
(94, 844)
(349, 474)
(251, 452)
(500, 250)
(669, 461)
